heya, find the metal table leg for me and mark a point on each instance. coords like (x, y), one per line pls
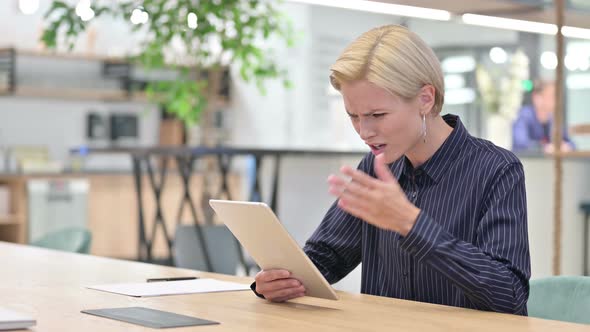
(143, 254)
(185, 167)
(157, 188)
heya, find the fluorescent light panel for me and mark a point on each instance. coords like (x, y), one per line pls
(383, 8)
(526, 26)
(443, 15)
(576, 32)
(509, 24)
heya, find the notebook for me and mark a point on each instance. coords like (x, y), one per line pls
(145, 289)
(12, 320)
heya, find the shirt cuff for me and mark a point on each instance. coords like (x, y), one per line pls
(424, 236)
(253, 288)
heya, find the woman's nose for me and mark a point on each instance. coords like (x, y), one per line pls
(366, 131)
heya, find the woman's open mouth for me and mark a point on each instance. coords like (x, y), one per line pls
(377, 148)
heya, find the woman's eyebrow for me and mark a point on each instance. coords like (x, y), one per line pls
(375, 111)
(371, 112)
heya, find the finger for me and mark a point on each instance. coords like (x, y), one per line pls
(294, 296)
(337, 185)
(361, 207)
(354, 192)
(270, 275)
(336, 180)
(355, 209)
(358, 191)
(382, 170)
(360, 177)
(285, 294)
(280, 295)
(272, 286)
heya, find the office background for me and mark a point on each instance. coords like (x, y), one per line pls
(309, 116)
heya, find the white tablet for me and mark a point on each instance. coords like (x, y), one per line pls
(259, 230)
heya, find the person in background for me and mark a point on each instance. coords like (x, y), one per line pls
(434, 214)
(532, 129)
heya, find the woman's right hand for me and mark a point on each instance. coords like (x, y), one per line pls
(278, 285)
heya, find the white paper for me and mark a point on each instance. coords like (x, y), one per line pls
(12, 320)
(145, 289)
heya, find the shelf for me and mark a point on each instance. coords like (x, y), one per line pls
(580, 129)
(67, 56)
(11, 220)
(78, 94)
(119, 69)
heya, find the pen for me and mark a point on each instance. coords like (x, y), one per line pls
(171, 279)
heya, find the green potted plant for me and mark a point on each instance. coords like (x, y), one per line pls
(210, 34)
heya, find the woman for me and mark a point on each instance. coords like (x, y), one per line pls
(433, 214)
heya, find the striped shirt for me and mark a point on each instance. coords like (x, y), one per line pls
(469, 246)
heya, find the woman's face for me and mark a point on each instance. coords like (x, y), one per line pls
(387, 123)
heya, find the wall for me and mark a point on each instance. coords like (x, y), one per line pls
(60, 124)
(303, 116)
(540, 183)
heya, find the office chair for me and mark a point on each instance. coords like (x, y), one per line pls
(72, 239)
(224, 250)
(564, 298)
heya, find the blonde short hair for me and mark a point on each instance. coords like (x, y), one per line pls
(393, 58)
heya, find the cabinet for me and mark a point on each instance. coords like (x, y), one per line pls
(12, 224)
(112, 210)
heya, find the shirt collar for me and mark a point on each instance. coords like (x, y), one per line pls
(441, 159)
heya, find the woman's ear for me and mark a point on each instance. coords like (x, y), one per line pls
(426, 98)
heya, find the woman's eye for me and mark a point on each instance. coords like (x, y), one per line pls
(378, 115)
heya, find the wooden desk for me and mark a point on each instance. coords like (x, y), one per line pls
(49, 286)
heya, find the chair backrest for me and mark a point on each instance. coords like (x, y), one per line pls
(73, 239)
(222, 247)
(565, 298)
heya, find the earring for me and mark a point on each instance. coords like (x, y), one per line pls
(424, 127)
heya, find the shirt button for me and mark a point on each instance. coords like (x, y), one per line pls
(405, 274)
(414, 195)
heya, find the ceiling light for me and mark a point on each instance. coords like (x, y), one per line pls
(498, 55)
(139, 16)
(383, 8)
(510, 24)
(573, 32)
(84, 11)
(28, 7)
(584, 63)
(571, 62)
(192, 20)
(526, 26)
(549, 60)
(458, 64)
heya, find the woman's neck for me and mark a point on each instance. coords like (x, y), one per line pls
(437, 131)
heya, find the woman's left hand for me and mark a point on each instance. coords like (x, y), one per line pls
(380, 202)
